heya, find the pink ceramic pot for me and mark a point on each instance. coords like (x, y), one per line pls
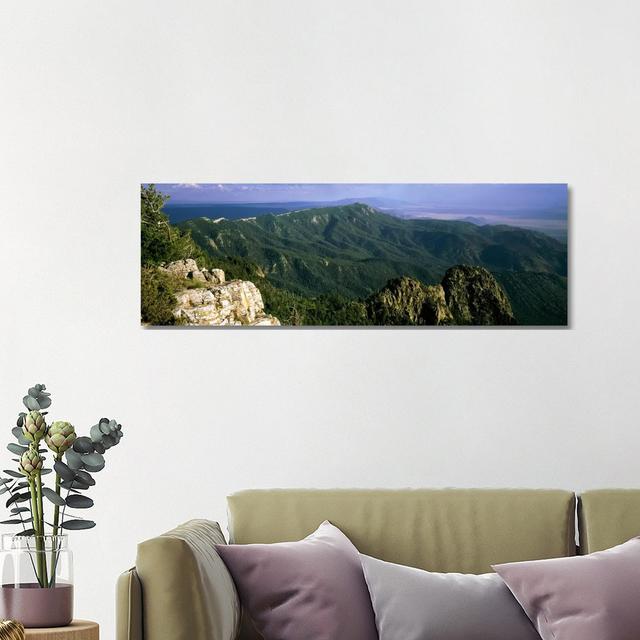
(37, 580)
(37, 607)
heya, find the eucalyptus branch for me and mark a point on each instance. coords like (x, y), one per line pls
(75, 460)
(24, 524)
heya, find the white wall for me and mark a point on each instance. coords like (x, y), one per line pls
(96, 97)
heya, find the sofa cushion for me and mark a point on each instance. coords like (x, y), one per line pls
(593, 597)
(608, 517)
(412, 604)
(187, 591)
(310, 589)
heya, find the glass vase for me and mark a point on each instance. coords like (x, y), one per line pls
(37, 580)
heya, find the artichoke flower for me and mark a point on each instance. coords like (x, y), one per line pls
(34, 426)
(60, 436)
(31, 463)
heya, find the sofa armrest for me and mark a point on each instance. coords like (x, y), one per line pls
(187, 592)
(129, 606)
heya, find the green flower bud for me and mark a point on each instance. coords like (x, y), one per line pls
(34, 426)
(31, 463)
(60, 436)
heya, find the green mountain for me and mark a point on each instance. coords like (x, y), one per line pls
(354, 250)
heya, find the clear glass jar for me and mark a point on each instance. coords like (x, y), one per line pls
(37, 580)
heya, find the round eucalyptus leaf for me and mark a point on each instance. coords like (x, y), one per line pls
(76, 525)
(85, 477)
(16, 448)
(63, 470)
(52, 496)
(104, 428)
(74, 460)
(79, 502)
(95, 433)
(74, 484)
(20, 437)
(31, 403)
(93, 469)
(83, 445)
(99, 447)
(93, 459)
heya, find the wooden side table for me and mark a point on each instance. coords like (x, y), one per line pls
(77, 630)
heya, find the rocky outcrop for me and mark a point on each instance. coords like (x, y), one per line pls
(467, 296)
(188, 270)
(405, 301)
(205, 298)
(474, 296)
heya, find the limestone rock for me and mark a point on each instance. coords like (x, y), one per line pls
(188, 270)
(238, 302)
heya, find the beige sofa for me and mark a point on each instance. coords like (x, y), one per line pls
(180, 590)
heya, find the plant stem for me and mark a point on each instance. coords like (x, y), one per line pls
(56, 519)
(36, 526)
(45, 580)
(55, 566)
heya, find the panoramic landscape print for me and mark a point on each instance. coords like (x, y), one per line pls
(265, 255)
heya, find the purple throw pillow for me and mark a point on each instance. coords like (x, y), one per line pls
(313, 588)
(592, 597)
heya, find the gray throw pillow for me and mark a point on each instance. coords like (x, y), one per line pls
(411, 604)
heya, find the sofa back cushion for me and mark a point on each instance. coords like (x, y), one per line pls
(457, 530)
(608, 517)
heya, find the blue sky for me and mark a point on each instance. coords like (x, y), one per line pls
(494, 197)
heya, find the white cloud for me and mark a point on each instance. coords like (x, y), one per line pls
(189, 185)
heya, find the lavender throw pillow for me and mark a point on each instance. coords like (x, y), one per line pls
(593, 597)
(412, 604)
(313, 588)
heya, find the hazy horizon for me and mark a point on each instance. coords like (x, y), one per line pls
(542, 207)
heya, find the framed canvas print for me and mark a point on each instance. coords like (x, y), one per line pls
(359, 255)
